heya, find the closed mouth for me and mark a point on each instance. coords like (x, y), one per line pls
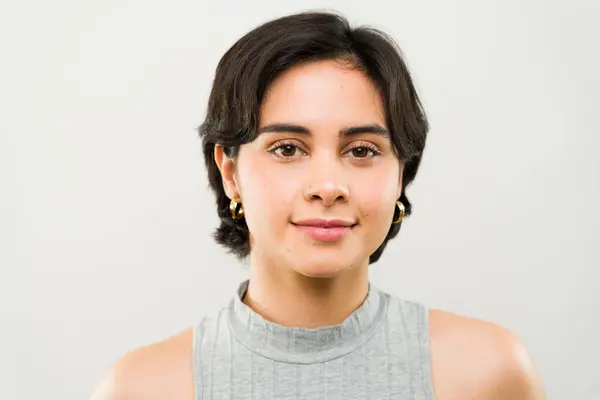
(321, 223)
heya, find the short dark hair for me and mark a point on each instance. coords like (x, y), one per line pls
(254, 61)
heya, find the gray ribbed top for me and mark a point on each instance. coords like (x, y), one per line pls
(381, 351)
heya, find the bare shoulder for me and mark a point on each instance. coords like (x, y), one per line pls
(476, 359)
(162, 370)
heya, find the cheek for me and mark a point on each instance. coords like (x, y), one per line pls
(376, 207)
(267, 195)
(376, 194)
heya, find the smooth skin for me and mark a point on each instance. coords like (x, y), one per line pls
(323, 153)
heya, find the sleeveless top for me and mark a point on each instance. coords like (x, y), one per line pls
(381, 351)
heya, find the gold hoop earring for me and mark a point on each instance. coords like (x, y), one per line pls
(402, 213)
(233, 208)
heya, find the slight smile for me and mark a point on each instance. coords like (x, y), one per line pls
(325, 230)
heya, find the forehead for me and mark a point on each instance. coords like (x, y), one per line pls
(322, 93)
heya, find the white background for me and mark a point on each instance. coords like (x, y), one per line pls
(105, 237)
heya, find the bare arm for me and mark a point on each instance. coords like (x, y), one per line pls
(519, 377)
(478, 360)
(156, 372)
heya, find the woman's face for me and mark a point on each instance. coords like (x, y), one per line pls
(323, 154)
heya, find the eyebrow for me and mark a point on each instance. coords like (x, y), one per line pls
(349, 131)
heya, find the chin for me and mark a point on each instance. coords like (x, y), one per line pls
(319, 274)
(323, 268)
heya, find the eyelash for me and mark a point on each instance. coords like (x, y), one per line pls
(367, 146)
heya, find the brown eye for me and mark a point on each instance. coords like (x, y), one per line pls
(363, 152)
(287, 150)
(360, 152)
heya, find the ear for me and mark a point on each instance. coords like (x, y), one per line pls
(400, 181)
(226, 166)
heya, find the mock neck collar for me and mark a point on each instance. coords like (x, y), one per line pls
(300, 345)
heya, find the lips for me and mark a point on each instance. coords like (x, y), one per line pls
(325, 230)
(323, 223)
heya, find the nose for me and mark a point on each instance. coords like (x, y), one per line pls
(328, 185)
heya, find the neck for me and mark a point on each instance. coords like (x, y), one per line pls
(287, 298)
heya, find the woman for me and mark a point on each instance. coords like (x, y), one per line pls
(313, 132)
